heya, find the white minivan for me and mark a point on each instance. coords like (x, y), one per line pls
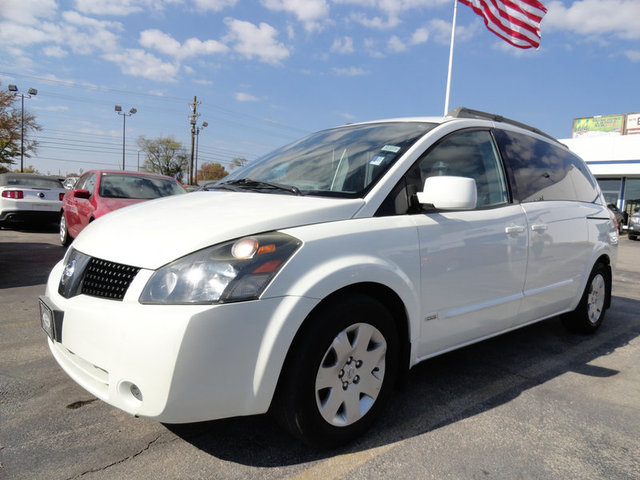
(311, 280)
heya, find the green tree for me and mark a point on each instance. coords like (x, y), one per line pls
(11, 129)
(237, 162)
(212, 171)
(164, 155)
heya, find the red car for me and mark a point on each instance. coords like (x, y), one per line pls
(98, 192)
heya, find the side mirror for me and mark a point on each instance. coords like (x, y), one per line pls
(449, 193)
(82, 194)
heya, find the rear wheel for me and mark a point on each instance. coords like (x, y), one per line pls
(65, 239)
(589, 314)
(339, 373)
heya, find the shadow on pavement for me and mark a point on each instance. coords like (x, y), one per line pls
(440, 391)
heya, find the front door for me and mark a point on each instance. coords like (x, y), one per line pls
(473, 263)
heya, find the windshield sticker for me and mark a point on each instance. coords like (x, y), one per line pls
(377, 160)
(391, 148)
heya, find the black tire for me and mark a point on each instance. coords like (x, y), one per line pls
(65, 238)
(339, 373)
(589, 314)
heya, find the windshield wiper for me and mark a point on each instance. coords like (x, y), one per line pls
(259, 184)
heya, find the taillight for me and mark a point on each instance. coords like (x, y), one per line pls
(14, 194)
(61, 195)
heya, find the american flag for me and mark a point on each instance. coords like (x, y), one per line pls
(515, 21)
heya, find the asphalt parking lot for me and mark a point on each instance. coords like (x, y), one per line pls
(537, 403)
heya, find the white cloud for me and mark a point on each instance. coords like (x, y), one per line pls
(421, 35)
(165, 43)
(309, 12)
(21, 35)
(120, 7)
(110, 7)
(391, 10)
(343, 45)
(55, 51)
(53, 108)
(139, 63)
(396, 45)
(441, 31)
(372, 48)
(245, 97)
(633, 55)
(215, 5)
(594, 17)
(85, 35)
(27, 12)
(260, 41)
(349, 72)
(347, 116)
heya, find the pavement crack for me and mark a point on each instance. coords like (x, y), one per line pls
(130, 457)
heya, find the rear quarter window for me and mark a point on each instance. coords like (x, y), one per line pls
(545, 171)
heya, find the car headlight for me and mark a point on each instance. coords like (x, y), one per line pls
(230, 272)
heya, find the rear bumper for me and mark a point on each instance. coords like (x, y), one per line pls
(29, 216)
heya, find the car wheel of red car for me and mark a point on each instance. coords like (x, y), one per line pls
(65, 238)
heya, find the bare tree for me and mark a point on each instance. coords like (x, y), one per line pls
(164, 155)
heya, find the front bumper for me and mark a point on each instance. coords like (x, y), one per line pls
(175, 363)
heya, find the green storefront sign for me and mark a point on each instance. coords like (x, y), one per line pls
(602, 125)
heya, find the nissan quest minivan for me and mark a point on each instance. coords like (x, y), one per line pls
(308, 282)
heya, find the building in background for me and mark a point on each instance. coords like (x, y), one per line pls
(610, 144)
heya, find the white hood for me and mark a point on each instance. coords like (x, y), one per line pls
(154, 233)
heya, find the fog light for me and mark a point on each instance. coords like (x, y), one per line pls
(135, 391)
(130, 394)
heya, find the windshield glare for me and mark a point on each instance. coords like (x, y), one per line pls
(344, 161)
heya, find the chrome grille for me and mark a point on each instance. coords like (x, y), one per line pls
(107, 279)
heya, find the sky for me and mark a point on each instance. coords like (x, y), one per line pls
(267, 72)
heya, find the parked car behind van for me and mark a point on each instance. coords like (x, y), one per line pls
(309, 281)
(634, 225)
(98, 192)
(29, 198)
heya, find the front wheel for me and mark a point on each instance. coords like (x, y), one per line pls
(339, 373)
(589, 314)
(65, 239)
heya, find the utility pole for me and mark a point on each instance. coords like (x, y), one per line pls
(192, 120)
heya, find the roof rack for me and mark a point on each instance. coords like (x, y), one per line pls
(464, 112)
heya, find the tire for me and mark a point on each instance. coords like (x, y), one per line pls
(65, 238)
(589, 314)
(339, 373)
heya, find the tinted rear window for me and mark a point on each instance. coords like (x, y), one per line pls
(544, 171)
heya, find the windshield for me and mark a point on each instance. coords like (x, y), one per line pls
(343, 161)
(137, 186)
(29, 181)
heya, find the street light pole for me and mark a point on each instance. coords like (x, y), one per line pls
(32, 92)
(204, 125)
(119, 111)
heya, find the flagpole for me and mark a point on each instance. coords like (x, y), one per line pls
(453, 35)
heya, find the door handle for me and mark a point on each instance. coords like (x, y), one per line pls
(541, 227)
(514, 229)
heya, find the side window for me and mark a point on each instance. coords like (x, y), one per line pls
(90, 184)
(470, 154)
(544, 171)
(81, 182)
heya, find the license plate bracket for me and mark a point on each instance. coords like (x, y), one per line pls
(50, 319)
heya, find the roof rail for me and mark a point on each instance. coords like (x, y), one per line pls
(464, 112)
